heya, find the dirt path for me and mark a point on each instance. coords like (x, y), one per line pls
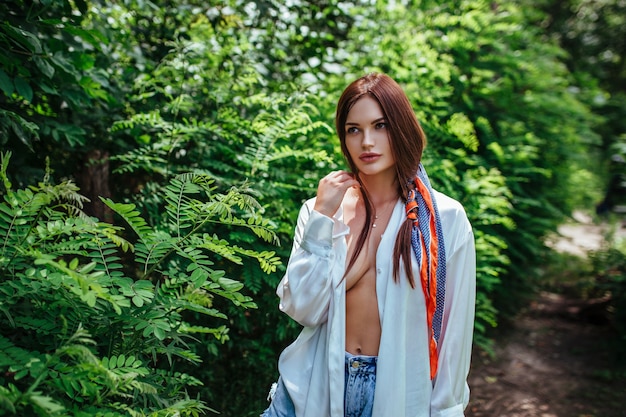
(553, 360)
(551, 363)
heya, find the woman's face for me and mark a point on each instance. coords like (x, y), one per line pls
(367, 138)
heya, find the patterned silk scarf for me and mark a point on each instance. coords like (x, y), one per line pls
(428, 246)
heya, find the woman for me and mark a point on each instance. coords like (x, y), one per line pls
(381, 276)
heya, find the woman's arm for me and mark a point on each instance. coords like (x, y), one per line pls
(306, 289)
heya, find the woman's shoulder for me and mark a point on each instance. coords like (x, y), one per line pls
(453, 217)
(447, 204)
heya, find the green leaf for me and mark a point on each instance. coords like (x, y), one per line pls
(84, 61)
(89, 298)
(132, 361)
(23, 89)
(230, 284)
(48, 88)
(46, 403)
(6, 84)
(73, 263)
(63, 62)
(199, 277)
(138, 301)
(159, 333)
(26, 39)
(44, 66)
(93, 37)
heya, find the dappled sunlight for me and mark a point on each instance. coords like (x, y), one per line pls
(583, 234)
(549, 363)
(554, 359)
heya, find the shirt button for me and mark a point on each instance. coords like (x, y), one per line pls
(380, 271)
(355, 364)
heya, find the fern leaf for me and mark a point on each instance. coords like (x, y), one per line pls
(152, 253)
(190, 306)
(107, 259)
(45, 403)
(221, 247)
(147, 158)
(258, 225)
(132, 217)
(180, 208)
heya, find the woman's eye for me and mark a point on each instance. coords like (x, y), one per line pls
(381, 125)
(352, 130)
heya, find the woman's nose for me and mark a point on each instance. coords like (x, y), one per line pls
(367, 140)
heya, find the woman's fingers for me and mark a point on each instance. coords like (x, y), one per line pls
(331, 190)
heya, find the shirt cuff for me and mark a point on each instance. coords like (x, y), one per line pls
(318, 234)
(456, 411)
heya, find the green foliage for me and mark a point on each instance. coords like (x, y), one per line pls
(182, 99)
(476, 73)
(600, 278)
(48, 73)
(592, 32)
(81, 332)
(246, 138)
(608, 267)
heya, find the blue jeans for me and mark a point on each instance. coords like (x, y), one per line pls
(281, 405)
(359, 387)
(360, 384)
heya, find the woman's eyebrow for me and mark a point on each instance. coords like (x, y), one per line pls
(380, 119)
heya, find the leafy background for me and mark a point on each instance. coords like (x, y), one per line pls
(155, 156)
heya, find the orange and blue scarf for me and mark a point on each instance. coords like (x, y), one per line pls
(428, 246)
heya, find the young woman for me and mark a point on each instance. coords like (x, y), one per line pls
(381, 276)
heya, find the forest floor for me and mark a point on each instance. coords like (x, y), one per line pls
(554, 359)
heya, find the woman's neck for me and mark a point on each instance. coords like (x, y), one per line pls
(381, 190)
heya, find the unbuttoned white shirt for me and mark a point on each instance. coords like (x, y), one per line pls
(313, 293)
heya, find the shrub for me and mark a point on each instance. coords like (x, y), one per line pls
(95, 324)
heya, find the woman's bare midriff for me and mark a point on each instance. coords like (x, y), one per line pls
(363, 329)
(362, 320)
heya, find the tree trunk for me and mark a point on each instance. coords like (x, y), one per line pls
(94, 183)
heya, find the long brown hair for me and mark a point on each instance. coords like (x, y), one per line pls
(407, 142)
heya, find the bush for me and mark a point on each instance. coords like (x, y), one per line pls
(94, 324)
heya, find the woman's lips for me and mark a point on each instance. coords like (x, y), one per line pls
(369, 157)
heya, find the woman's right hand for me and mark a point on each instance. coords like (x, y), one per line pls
(331, 190)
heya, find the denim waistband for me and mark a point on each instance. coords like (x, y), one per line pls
(361, 364)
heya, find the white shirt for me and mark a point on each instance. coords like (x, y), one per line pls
(313, 293)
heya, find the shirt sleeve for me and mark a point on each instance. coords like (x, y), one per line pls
(306, 289)
(450, 389)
